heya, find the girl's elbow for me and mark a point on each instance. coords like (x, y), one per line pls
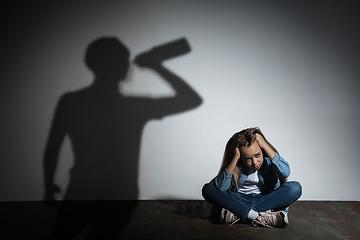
(286, 173)
(219, 187)
(222, 188)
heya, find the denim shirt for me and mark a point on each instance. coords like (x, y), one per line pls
(269, 174)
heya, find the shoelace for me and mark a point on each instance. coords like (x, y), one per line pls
(234, 221)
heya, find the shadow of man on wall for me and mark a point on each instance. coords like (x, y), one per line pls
(105, 131)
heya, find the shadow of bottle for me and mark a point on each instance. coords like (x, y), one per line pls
(105, 130)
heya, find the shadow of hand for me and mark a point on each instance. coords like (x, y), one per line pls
(147, 59)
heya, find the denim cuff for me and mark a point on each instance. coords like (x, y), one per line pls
(276, 158)
(227, 175)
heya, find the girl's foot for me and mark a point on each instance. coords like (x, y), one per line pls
(228, 217)
(272, 219)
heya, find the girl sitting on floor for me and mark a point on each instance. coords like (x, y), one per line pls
(251, 185)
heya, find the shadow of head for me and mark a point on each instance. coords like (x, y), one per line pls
(108, 59)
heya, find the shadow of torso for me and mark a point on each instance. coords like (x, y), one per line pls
(105, 131)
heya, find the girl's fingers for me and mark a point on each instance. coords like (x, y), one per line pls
(260, 140)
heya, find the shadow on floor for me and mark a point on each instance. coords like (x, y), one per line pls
(181, 219)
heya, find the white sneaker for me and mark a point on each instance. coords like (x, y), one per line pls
(228, 217)
(272, 219)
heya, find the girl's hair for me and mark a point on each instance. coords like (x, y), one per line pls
(240, 139)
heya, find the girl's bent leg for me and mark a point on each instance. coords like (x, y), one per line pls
(225, 200)
(281, 198)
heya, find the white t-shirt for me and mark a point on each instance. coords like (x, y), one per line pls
(251, 184)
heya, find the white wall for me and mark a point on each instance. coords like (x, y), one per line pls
(290, 68)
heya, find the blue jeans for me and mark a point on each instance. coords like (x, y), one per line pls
(279, 199)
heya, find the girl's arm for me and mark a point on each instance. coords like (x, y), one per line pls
(280, 166)
(223, 180)
(263, 145)
(235, 158)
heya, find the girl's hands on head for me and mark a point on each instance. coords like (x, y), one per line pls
(260, 140)
(234, 160)
(236, 153)
(265, 146)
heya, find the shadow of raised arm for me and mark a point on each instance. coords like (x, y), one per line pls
(185, 97)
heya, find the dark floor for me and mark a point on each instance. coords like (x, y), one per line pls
(180, 220)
